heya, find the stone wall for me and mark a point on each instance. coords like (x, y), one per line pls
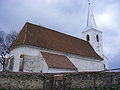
(63, 81)
(93, 79)
(23, 80)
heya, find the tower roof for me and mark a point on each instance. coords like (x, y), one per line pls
(90, 18)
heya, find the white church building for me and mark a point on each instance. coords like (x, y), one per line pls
(40, 49)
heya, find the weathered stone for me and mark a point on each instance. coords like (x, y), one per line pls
(21, 80)
(14, 80)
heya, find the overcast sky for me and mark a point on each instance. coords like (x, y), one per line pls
(67, 16)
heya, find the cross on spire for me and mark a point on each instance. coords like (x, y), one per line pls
(90, 18)
(89, 2)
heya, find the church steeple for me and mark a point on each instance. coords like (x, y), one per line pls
(92, 34)
(90, 18)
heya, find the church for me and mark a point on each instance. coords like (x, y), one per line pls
(43, 50)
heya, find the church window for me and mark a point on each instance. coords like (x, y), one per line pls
(88, 37)
(97, 37)
(9, 64)
(104, 66)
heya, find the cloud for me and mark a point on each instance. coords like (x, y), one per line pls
(57, 14)
(107, 20)
(114, 61)
(67, 16)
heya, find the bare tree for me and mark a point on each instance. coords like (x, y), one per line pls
(3, 48)
(5, 43)
(10, 38)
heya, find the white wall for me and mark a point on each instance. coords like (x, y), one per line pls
(105, 61)
(87, 64)
(16, 52)
(97, 46)
(82, 64)
(54, 70)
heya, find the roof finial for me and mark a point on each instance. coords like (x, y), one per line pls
(90, 18)
(89, 2)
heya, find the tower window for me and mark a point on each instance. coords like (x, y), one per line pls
(97, 37)
(88, 37)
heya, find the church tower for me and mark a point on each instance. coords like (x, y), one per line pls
(92, 34)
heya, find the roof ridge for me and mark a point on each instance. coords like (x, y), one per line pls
(18, 36)
(26, 26)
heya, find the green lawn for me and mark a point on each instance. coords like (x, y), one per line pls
(114, 87)
(82, 89)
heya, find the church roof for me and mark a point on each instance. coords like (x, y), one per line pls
(58, 61)
(38, 36)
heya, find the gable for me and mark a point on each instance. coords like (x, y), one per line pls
(38, 36)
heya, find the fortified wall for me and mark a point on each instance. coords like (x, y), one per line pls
(63, 81)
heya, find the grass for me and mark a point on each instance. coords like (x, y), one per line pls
(118, 86)
(113, 87)
(82, 89)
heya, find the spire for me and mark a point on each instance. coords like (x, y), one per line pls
(90, 18)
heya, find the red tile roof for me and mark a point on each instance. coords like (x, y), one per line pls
(35, 35)
(57, 61)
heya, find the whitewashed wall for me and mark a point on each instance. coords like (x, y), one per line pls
(16, 52)
(54, 70)
(82, 64)
(87, 64)
(105, 61)
(97, 46)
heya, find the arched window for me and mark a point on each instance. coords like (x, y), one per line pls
(88, 37)
(97, 38)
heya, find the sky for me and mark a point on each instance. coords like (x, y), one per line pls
(67, 16)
